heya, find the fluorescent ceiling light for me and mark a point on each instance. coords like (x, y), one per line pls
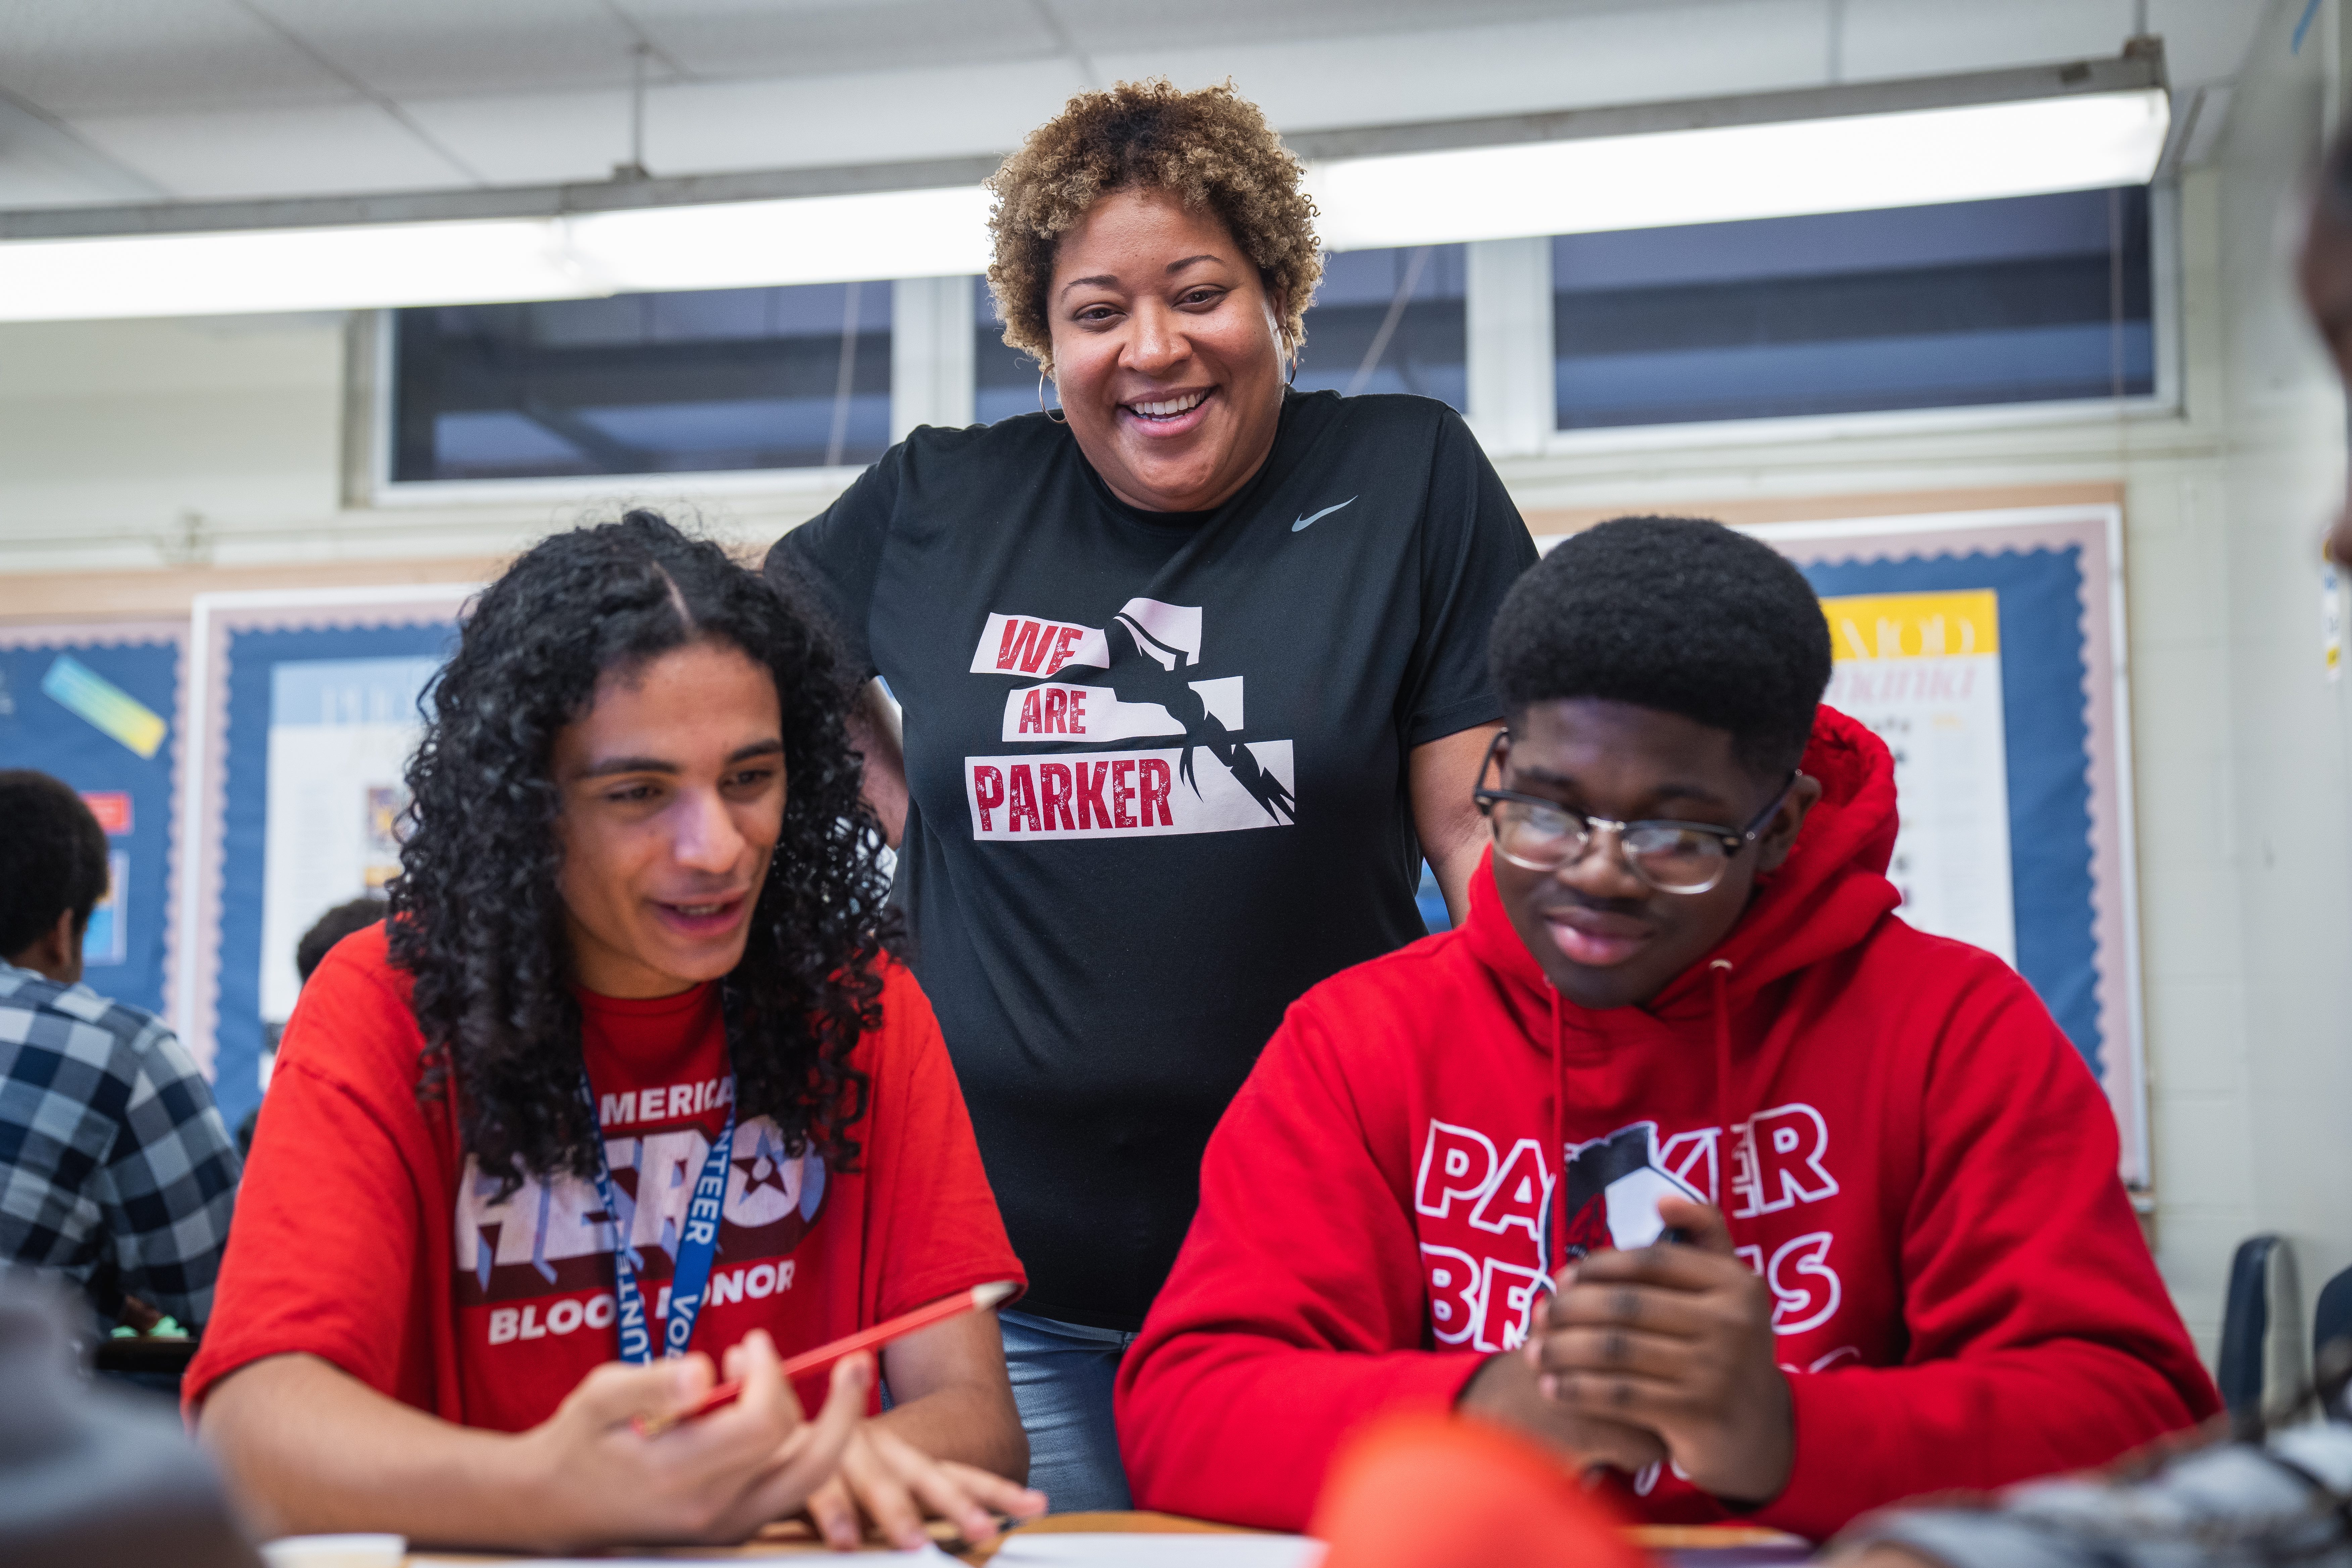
(731, 245)
(284, 269)
(812, 239)
(1840, 149)
(1722, 174)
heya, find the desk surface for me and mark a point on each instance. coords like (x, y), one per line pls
(794, 1539)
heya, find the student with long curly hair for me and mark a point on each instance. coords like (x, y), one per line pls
(634, 980)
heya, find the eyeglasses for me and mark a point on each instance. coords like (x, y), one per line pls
(1672, 857)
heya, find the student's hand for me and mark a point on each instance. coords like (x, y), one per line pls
(888, 1480)
(718, 1478)
(1676, 1339)
(1505, 1389)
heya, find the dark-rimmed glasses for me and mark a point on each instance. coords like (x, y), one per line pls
(1672, 857)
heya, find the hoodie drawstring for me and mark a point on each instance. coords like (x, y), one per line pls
(1725, 1101)
(1557, 1229)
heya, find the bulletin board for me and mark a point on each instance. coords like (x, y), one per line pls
(102, 705)
(304, 713)
(1987, 649)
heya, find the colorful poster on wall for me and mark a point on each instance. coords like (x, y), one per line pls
(101, 705)
(307, 704)
(1923, 670)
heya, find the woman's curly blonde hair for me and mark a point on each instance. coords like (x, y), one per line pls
(1212, 149)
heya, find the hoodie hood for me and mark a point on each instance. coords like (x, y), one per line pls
(1828, 895)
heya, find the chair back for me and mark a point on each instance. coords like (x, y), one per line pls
(2262, 1351)
(2332, 1320)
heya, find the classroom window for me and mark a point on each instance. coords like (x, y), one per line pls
(2028, 299)
(1003, 379)
(1390, 321)
(710, 381)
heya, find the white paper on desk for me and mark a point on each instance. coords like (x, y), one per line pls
(1201, 1551)
(927, 1557)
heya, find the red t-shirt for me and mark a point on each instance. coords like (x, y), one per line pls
(366, 1236)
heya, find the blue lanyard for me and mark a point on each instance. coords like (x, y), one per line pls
(694, 1248)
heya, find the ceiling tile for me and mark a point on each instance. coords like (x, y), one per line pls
(273, 151)
(108, 57)
(26, 181)
(2204, 40)
(448, 48)
(1892, 39)
(1207, 25)
(701, 127)
(536, 139)
(1599, 58)
(812, 37)
(207, 99)
(867, 119)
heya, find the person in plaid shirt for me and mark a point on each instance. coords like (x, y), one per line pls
(116, 1169)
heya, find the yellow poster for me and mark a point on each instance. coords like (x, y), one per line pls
(1923, 671)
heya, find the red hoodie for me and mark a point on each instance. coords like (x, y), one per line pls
(1924, 1173)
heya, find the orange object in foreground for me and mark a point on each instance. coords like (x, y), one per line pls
(1435, 1491)
(824, 1355)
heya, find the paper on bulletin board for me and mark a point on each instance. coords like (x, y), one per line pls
(303, 714)
(106, 941)
(1923, 671)
(340, 731)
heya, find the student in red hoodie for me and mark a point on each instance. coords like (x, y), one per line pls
(1491, 1171)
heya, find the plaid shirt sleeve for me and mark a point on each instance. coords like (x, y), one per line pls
(115, 1165)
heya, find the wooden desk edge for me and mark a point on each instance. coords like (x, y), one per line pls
(1652, 1537)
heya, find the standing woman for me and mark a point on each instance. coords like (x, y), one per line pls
(1192, 681)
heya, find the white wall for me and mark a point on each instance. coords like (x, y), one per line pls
(112, 433)
(2280, 797)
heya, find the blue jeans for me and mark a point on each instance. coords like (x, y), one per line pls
(1062, 1376)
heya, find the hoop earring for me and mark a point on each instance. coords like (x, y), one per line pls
(1292, 380)
(1057, 416)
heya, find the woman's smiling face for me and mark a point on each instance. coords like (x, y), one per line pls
(1165, 352)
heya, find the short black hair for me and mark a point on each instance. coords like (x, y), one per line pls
(334, 926)
(1673, 612)
(52, 857)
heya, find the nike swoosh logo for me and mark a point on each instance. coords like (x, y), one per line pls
(1327, 512)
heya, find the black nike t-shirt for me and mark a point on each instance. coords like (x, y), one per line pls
(1158, 770)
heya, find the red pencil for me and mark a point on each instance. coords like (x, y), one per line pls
(973, 1300)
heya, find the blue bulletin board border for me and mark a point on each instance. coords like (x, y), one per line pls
(238, 641)
(2046, 723)
(146, 661)
(2058, 575)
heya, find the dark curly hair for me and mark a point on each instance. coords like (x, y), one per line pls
(1212, 149)
(475, 914)
(1676, 614)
